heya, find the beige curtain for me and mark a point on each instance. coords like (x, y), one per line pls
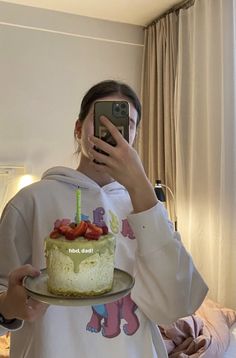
(188, 133)
(3, 190)
(206, 142)
(8, 188)
(156, 139)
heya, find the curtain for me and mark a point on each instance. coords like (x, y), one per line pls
(156, 138)
(206, 142)
(3, 190)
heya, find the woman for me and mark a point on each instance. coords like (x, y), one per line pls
(115, 191)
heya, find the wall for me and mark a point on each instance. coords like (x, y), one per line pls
(48, 60)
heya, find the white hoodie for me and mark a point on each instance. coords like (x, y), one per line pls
(167, 285)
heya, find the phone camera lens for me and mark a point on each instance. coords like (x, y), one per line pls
(117, 107)
(123, 105)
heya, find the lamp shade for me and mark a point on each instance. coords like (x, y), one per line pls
(159, 191)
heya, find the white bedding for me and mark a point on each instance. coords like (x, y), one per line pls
(231, 351)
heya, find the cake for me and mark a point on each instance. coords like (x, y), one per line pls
(79, 259)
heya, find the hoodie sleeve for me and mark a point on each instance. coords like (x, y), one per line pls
(14, 326)
(14, 253)
(167, 284)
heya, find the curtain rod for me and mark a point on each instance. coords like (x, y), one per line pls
(183, 5)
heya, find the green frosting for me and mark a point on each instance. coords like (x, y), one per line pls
(81, 248)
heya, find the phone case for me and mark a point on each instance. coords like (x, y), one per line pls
(118, 113)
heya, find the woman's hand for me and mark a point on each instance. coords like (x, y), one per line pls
(14, 303)
(124, 165)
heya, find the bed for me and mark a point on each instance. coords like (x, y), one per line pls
(231, 351)
(209, 333)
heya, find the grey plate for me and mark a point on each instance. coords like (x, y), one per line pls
(37, 289)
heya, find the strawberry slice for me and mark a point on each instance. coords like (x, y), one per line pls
(62, 222)
(55, 234)
(95, 228)
(80, 229)
(69, 234)
(64, 228)
(65, 222)
(67, 231)
(93, 232)
(71, 230)
(104, 230)
(91, 235)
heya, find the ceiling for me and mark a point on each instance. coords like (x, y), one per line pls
(137, 12)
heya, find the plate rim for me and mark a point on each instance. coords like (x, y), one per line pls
(106, 295)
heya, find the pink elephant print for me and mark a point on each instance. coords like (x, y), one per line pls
(107, 318)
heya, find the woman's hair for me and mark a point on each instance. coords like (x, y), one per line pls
(105, 89)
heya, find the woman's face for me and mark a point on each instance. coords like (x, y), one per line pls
(86, 128)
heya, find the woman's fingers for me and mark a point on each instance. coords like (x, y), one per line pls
(99, 158)
(16, 303)
(16, 276)
(103, 146)
(112, 129)
(100, 144)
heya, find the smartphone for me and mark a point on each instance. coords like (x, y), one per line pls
(118, 113)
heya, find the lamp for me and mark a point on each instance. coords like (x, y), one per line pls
(161, 196)
(12, 179)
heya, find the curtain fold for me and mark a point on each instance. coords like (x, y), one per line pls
(4, 188)
(156, 139)
(206, 142)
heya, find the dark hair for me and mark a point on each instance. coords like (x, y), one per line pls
(107, 88)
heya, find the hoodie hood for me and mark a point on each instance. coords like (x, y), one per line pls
(78, 179)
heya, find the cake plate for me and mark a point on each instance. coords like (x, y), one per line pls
(37, 288)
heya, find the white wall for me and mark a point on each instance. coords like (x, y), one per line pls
(47, 62)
